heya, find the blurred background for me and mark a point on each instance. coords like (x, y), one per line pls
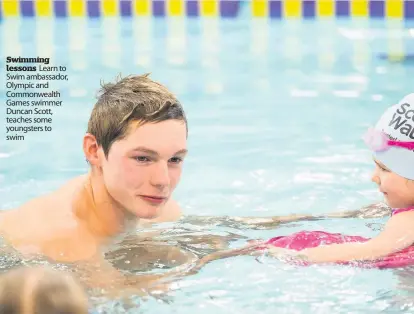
(278, 93)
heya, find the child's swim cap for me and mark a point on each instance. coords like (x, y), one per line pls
(398, 124)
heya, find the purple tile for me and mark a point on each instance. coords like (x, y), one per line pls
(125, 7)
(229, 8)
(92, 7)
(409, 9)
(158, 8)
(309, 8)
(377, 8)
(60, 8)
(342, 7)
(26, 8)
(192, 7)
(275, 8)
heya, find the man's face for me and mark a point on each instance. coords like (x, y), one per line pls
(143, 169)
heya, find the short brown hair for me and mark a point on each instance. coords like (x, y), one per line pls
(133, 98)
(32, 290)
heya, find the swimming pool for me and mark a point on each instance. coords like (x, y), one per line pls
(276, 112)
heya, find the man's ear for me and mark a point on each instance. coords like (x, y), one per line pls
(91, 150)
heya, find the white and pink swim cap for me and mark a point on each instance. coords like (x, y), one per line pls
(398, 125)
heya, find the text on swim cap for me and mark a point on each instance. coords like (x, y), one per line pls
(400, 118)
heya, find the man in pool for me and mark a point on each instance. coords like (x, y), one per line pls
(135, 143)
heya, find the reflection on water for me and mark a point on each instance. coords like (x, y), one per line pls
(141, 253)
(150, 256)
(164, 249)
(167, 247)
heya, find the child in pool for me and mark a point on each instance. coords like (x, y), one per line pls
(392, 145)
(30, 290)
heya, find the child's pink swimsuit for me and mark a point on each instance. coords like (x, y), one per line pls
(309, 239)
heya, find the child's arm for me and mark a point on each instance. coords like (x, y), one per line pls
(397, 235)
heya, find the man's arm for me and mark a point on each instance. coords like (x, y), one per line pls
(172, 212)
(98, 274)
(371, 211)
(376, 210)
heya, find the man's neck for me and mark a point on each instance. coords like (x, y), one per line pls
(103, 215)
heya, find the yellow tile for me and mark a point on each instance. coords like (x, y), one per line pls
(142, 7)
(260, 8)
(109, 7)
(10, 8)
(43, 7)
(208, 8)
(292, 8)
(175, 7)
(325, 8)
(359, 8)
(394, 8)
(76, 8)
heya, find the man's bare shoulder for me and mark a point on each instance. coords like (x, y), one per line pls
(68, 189)
(43, 214)
(72, 185)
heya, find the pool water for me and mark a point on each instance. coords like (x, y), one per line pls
(276, 113)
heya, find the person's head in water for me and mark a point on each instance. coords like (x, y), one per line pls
(392, 142)
(136, 142)
(40, 290)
